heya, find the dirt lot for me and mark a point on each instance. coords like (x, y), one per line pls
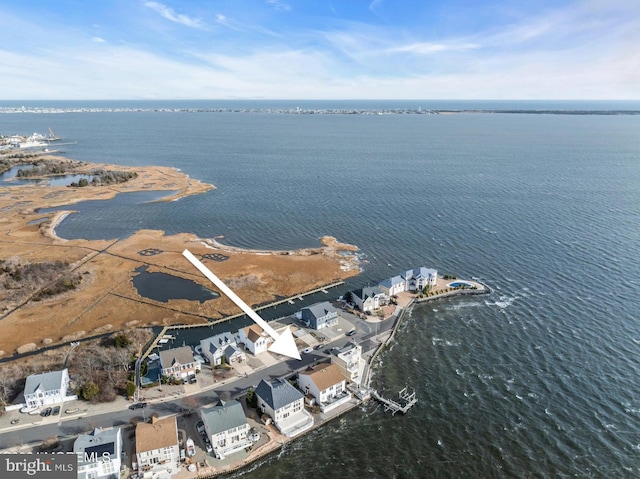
(106, 299)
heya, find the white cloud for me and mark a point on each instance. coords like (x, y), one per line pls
(98, 40)
(279, 5)
(425, 48)
(171, 15)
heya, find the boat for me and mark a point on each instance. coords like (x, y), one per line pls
(191, 448)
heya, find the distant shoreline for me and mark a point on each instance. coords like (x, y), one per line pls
(322, 111)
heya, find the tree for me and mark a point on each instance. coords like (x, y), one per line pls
(89, 391)
(130, 389)
(121, 341)
(251, 398)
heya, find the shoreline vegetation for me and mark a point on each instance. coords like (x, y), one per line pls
(103, 298)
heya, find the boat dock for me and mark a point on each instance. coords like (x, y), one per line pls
(406, 400)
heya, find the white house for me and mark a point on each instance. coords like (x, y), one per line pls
(418, 278)
(227, 428)
(411, 280)
(254, 338)
(349, 361)
(326, 383)
(393, 286)
(179, 363)
(369, 298)
(99, 454)
(47, 388)
(320, 315)
(285, 405)
(221, 346)
(157, 448)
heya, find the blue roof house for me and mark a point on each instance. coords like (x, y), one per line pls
(320, 315)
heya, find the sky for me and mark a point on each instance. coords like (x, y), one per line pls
(319, 49)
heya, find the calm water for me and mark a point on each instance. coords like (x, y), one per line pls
(538, 379)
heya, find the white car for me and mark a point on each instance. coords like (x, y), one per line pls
(307, 350)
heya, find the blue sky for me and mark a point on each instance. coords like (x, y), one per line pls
(320, 49)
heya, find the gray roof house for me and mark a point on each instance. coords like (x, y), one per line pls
(227, 428)
(320, 315)
(220, 346)
(99, 454)
(285, 405)
(416, 279)
(393, 285)
(369, 298)
(46, 388)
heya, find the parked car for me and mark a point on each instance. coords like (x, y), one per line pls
(352, 332)
(307, 350)
(46, 412)
(200, 427)
(56, 411)
(319, 346)
(138, 405)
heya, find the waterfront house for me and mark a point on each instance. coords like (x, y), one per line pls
(369, 298)
(254, 338)
(320, 315)
(285, 405)
(47, 388)
(418, 278)
(99, 454)
(227, 428)
(349, 361)
(411, 280)
(393, 286)
(157, 448)
(178, 363)
(326, 383)
(221, 347)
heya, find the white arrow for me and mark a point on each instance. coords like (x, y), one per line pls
(282, 343)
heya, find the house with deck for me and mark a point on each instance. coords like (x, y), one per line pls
(222, 347)
(227, 428)
(326, 383)
(411, 280)
(178, 363)
(284, 404)
(99, 454)
(47, 388)
(157, 448)
(320, 315)
(349, 361)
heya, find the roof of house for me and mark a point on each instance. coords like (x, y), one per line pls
(182, 355)
(388, 283)
(421, 272)
(324, 375)
(44, 381)
(278, 393)
(253, 332)
(320, 309)
(368, 292)
(98, 442)
(158, 434)
(219, 341)
(223, 417)
(351, 345)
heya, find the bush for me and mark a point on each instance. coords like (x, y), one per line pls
(130, 389)
(251, 399)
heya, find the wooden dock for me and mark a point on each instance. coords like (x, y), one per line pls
(406, 400)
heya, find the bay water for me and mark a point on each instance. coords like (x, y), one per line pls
(538, 379)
